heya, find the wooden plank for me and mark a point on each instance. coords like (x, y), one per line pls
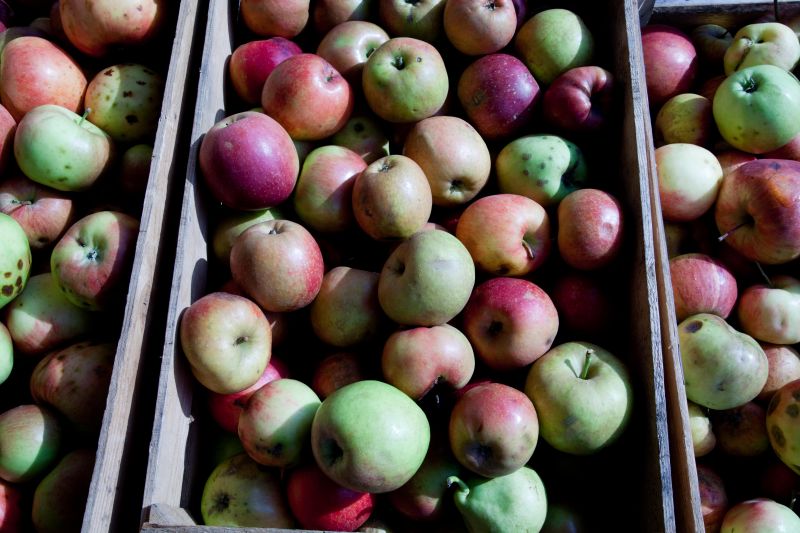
(727, 13)
(116, 437)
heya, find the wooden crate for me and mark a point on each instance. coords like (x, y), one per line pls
(113, 491)
(686, 14)
(171, 486)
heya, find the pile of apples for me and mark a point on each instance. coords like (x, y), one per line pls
(78, 114)
(726, 110)
(412, 250)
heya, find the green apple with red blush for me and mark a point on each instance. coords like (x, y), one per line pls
(15, 259)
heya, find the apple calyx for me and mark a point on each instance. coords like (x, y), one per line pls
(331, 451)
(462, 489)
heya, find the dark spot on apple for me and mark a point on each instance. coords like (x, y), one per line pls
(490, 6)
(61, 356)
(8, 290)
(400, 268)
(542, 165)
(478, 97)
(274, 451)
(241, 340)
(419, 59)
(140, 82)
(793, 410)
(139, 7)
(526, 172)
(131, 119)
(495, 328)
(777, 436)
(127, 94)
(19, 264)
(526, 156)
(81, 243)
(540, 183)
(67, 167)
(693, 326)
(18, 281)
(721, 386)
(7, 275)
(109, 72)
(62, 179)
(358, 127)
(796, 395)
(775, 166)
(570, 420)
(221, 503)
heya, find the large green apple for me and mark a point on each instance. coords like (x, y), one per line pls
(767, 43)
(370, 437)
(15, 259)
(58, 148)
(6, 354)
(757, 109)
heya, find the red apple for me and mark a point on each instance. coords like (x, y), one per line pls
(730, 160)
(670, 62)
(252, 62)
(790, 150)
(741, 431)
(713, 498)
(335, 371)
(348, 46)
(701, 284)
(580, 100)
(477, 27)
(784, 366)
(709, 87)
(590, 229)
(43, 213)
(7, 128)
(11, 511)
(583, 303)
(279, 18)
(331, 13)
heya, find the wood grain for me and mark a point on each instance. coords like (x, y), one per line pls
(726, 13)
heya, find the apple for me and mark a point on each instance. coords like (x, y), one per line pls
(709, 87)
(6, 356)
(477, 27)
(241, 493)
(60, 149)
(335, 371)
(498, 94)
(771, 313)
(370, 437)
(493, 430)
(510, 322)
(30, 442)
(590, 229)
(252, 62)
(580, 99)
(711, 42)
(392, 198)
(427, 280)
(584, 304)
(92, 260)
(134, 169)
(713, 498)
(275, 424)
(583, 396)
(757, 109)
(7, 128)
(670, 62)
(59, 500)
(703, 438)
(279, 18)
(768, 43)
(542, 167)
(689, 179)
(782, 425)
(227, 340)
(248, 161)
(348, 45)
(44, 214)
(759, 515)
(328, 14)
(420, 19)
(422, 498)
(405, 80)
(319, 503)
(741, 431)
(11, 509)
(685, 118)
(279, 264)
(346, 312)
(777, 481)
(99, 28)
(730, 160)
(232, 223)
(125, 102)
(416, 360)
(758, 210)
(34, 72)
(364, 135)
(15, 259)
(701, 284)
(308, 97)
(323, 196)
(784, 366)
(552, 42)
(506, 234)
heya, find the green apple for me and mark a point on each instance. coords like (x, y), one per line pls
(60, 498)
(767, 43)
(552, 42)
(685, 118)
(583, 396)
(545, 168)
(232, 223)
(364, 135)
(689, 179)
(15, 259)
(757, 109)
(370, 437)
(6, 354)
(58, 148)
(783, 424)
(760, 515)
(30, 440)
(703, 439)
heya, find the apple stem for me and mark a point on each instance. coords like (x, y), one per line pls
(85, 114)
(460, 485)
(737, 226)
(763, 274)
(587, 362)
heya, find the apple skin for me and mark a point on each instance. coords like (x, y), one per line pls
(759, 515)
(249, 162)
(11, 509)
(422, 498)
(580, 100)
(552, 42)
(348, 46)
(15, 259)
(417, 359)
(510, 322)
(757, 109)
(477, 28)
(701, 284)
(405, 80)
(323, 196)
(583, 303)
(493, 430)
(7, 128)
(34, 72)
(420, 19)
(6, 356)
(689, 180)
(319, 503)
(227, 340)
(370, 437)
(498, 94)
(730, 160)
(44, 214)
(711, 42)
(591, 229)
(252, 62)
(242, 493)
(767, 43)
(30, 442)
(308, 97)
(572, 418)
(60, 149)
(99, 28)
(741, 431)
(232, 223)
(713, 498)
(784, 366)
(782, 425)
(279, 264)
(335, 371)
(772, 313)
(59, 500)
(670, 62)
(703, 438)
(134, 169)
(346, 312)
(364, 135)
(92, 260)
(685, 118)
(328, 14)
(427, 280)
(760, 198)
(506, 234)
(391, 198)
(275, 18)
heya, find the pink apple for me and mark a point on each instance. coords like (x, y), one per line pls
(12, 512)
(335, 371)
(7, 128)
(784, 366)
(580, 100)
(741, 431)
(348, 46)
(583, 303)
(713, 497)
(701, 284)
(510, 322)
(590, 229)
(758, 516)
(279, 18)
(670, 62)
(771, 313)
(252, 62)
(43, 213)
(476, 27)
